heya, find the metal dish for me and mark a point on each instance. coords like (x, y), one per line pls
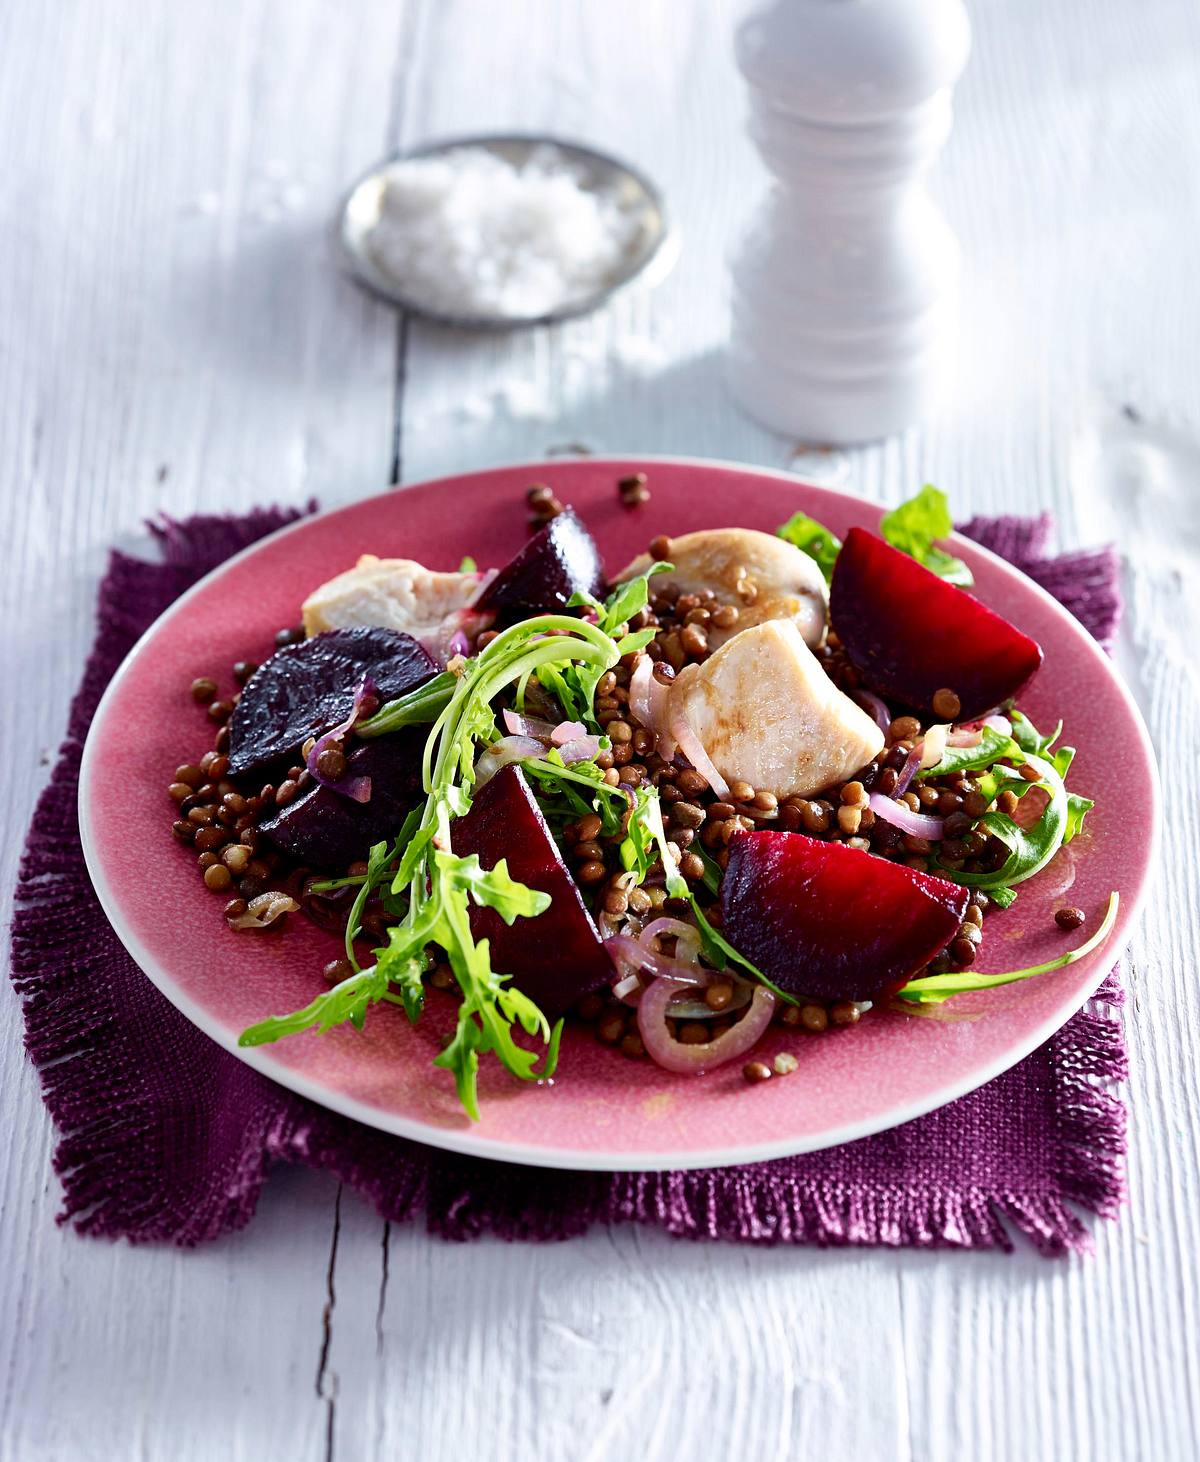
(655, 243)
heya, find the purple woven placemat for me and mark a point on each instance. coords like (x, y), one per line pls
(164, 1136)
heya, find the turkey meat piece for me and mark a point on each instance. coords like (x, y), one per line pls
(766, 713)
(765, 577)
(396, 593)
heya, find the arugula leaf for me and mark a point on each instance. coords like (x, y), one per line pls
(721, 954)
(1029, 849)
(492, 888)
(1029, 738)
(418, 707)
(813, 538)
(933, 989)
(913, 528)
(347, 1001)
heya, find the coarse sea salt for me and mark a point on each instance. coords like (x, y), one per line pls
(467, 233)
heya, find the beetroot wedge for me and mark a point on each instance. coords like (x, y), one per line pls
(910, 634)
(329, 830)
(558, 560)
(831, 922)
(307, 688)
(557, 958)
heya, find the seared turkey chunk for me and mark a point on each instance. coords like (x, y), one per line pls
(767, 714)
(395, 593)
(764, 576)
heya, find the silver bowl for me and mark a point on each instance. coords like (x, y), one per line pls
(655, 243)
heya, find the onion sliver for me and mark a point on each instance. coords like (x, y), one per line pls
(689, 744)
(871, 703)
(503, 753)
(933, 747)
(899, 814)
(629, 954)
(686, 937)
(910, 769)
(639, 691)
(540, 730)
(965, 736)
(567, 731)
(583, 748)
(673, 1055)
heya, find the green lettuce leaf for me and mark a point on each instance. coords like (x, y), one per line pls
(914, 528)
(813, 538)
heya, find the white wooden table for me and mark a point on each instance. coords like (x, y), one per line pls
(171, 334)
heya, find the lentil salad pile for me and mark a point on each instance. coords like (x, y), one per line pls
(557, 702)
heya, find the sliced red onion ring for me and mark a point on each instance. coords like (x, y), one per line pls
(964, 736)
(629, 954)
(686, 937)
(871, 703)
(366, 703)
(583, 748)
(503, 753)
(689, 744)
(519, 725)
(673, 1055)
(688, 1007)
(998, 723)
(567, 731)
(899, 814)
(910, 769)
(458, 644)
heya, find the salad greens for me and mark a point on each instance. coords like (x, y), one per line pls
(933, 989)
(813, 538)
(429, 889)
(913, 527)
(1029, 848)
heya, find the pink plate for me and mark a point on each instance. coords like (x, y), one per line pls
(601, 1110)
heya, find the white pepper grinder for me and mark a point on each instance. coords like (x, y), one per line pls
(844, 282)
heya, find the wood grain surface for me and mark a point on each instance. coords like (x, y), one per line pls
(172, 335)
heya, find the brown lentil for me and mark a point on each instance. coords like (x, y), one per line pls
(243, 670)
(218, 878)
(905, 728)
(756, 1071)
(814, 1018)
(1069, 918)
(660, 549)
(946, 705)
(337, 970)
(962, 951)
(332, 763)
(236, 858)
(845, 1012)
(591, 872)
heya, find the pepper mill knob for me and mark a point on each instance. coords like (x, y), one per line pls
(843, 282)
